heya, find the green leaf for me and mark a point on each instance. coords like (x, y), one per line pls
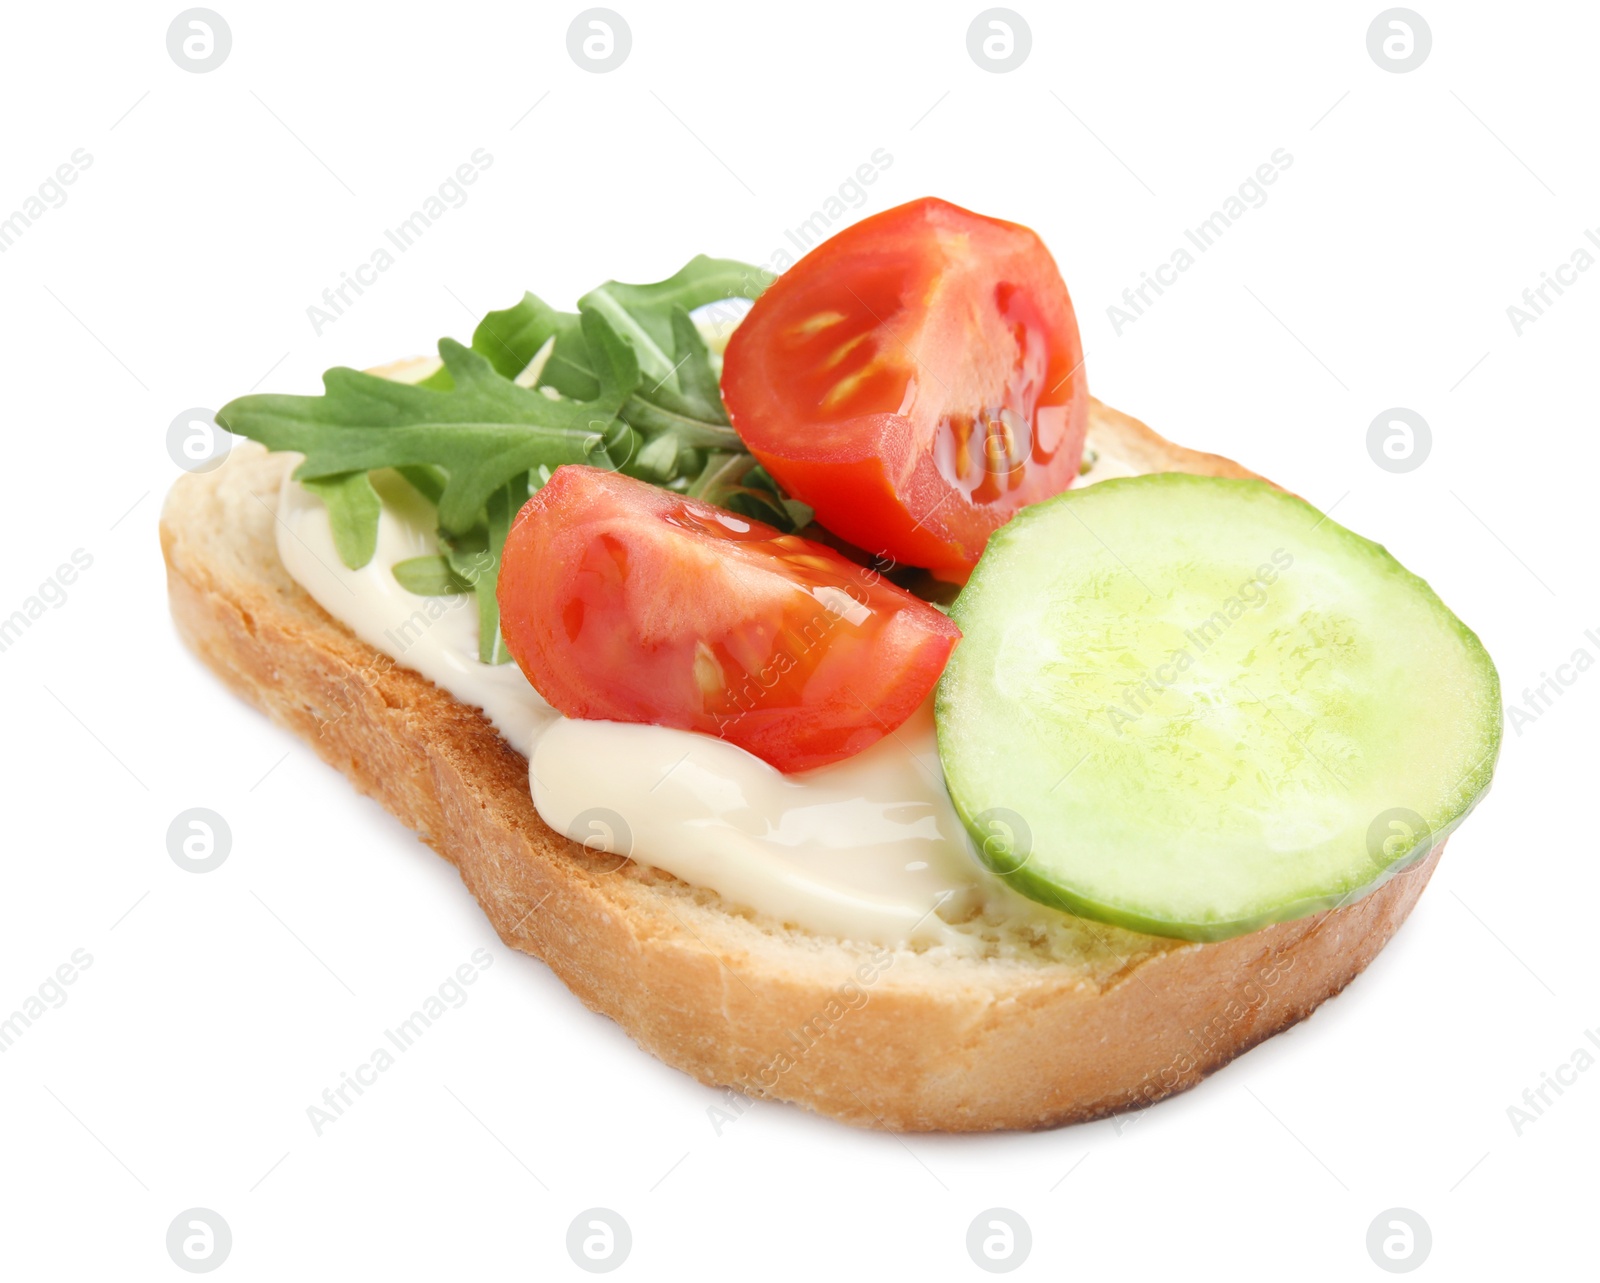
(636, 390)
(735, 481)
(468, 555)
(613, 360)
(430, 577)
(510, 339)
(504, 505)
(760, 478)
(570, 368)
(471, 563)
(654, 363)
(481, 432)
(720, 472)
(755, 504)
(622, 446)
(663, 411)
(696, 379)
(353, 511)
(700, 281)
(659, 459)
(474, 562)
(644, 312)
(425, 479)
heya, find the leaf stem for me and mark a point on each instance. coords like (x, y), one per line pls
(720, 470)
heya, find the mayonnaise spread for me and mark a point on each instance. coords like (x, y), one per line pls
(866, 849)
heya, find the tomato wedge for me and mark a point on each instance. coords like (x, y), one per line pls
(916, 379)
(629, 603)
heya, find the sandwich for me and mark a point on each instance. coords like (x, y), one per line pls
(834, 694)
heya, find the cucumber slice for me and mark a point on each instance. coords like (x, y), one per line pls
(1193, 707)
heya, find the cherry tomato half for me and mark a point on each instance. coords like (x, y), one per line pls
(916, 379)
(625, 602)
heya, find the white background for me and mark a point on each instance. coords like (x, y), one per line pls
(218, 1007)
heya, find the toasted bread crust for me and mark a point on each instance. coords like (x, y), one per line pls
(899, 1039)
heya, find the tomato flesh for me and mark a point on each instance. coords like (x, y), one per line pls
(916, 379)
(625, 602)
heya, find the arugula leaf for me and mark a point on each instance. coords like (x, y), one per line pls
(475, 562)
(678, 392)
(353, 508)
(482, 431)
(569, 370)
(511, 338)
(658, 460)
(738, 483)
(427, 480)
(695, 377)
(648, 308)
(634, 388)
(665, 411)
(430, 577)
(504, 504)
(641, 314)
(471, 564)
(469, 448)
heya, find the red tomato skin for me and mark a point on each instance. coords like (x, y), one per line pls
(877, 476)
(624, 602)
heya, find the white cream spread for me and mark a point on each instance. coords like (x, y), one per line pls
(437, 636)
(869, 848)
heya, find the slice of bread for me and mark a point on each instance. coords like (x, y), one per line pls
(1024, 1028)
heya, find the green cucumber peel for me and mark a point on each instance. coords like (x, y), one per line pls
(1194, 707)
